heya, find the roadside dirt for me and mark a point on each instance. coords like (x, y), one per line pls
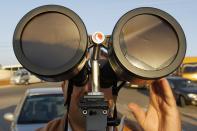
(4, 82)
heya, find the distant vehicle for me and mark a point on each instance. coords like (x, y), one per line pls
(131, 85)
(37, 107)
(21, 76)
(185, 91)
(188, 69)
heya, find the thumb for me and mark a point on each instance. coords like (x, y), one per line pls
(138, 113)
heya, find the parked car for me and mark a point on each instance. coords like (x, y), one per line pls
(184, 90)
(37, 107)
(131, 85)
(21, 76)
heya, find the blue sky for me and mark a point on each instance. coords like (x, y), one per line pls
(99, 15)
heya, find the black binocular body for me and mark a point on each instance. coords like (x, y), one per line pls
(52, 42)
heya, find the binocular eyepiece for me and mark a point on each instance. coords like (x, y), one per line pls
(52, 42)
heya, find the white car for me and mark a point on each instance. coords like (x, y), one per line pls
(21, 76)
(37, 107)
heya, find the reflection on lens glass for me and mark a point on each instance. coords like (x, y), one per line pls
(50, 40)
(148, 42)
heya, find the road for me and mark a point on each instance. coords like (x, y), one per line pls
(10, 96)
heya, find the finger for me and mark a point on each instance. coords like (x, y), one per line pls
(167, 91)
(163, 89)
(158, 91)
(138, 113)
(153, 94)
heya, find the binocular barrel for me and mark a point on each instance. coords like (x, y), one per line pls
(147, 43)
(51, 42)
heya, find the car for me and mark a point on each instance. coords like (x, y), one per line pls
(21, 76)
(135, 86)
(37, 107)
(184, 90)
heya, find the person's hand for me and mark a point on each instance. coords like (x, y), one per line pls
(162, 113)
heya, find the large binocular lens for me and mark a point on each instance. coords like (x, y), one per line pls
(147, 43)
(51, 42)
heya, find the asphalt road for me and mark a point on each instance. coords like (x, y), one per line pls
(10, 96)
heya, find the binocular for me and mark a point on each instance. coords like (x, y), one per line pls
(52, 42)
